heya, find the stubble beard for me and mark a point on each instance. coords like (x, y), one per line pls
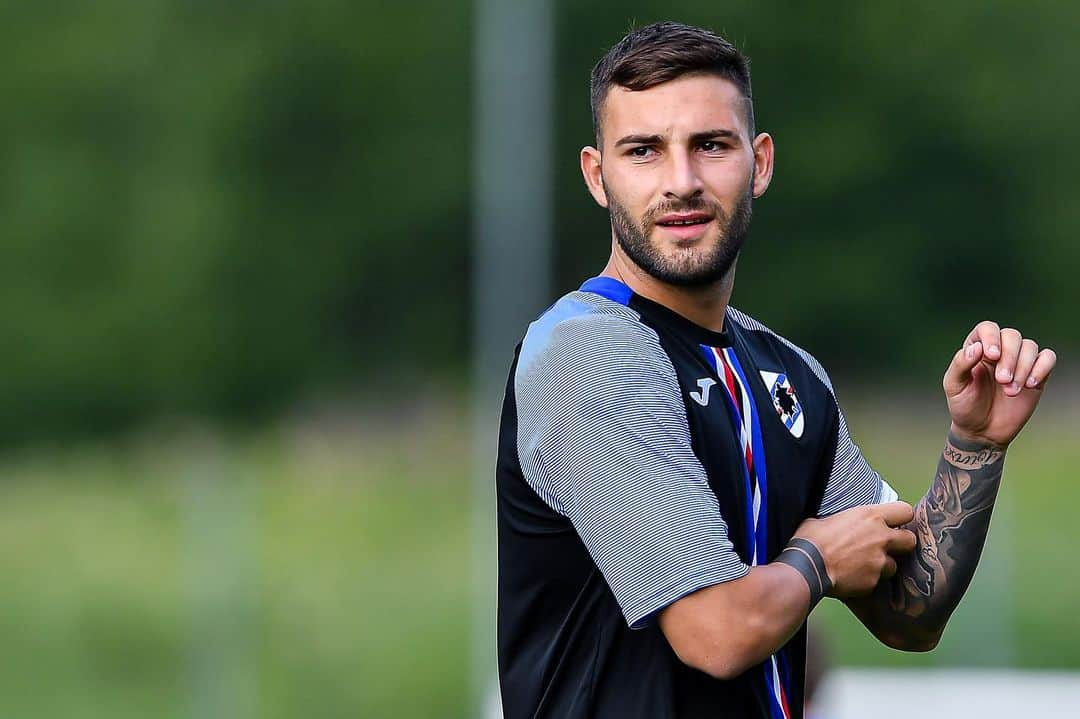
(687, 267)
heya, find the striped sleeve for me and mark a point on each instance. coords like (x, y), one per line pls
(603, 439)
(852, 482)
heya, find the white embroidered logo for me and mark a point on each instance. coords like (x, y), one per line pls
(702, 397)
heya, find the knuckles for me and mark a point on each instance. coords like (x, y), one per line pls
(987, 329)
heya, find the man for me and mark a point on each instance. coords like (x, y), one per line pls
(677, 487)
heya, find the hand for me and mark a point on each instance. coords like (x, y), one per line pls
(857, 545)
(994, 383)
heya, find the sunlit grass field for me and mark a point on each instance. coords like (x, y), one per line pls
(323, 569)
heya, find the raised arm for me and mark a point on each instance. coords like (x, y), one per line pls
(992, 386)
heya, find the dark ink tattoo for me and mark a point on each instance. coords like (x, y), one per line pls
(950, 527)
(973, 458)
(804, 556)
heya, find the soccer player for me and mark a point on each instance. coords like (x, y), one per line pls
(677, 487)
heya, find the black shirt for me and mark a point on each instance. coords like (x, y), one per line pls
(624, 484)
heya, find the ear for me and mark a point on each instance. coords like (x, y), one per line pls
(763, 163)
(591, 171)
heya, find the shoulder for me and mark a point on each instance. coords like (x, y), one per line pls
(585, 333)
(780, 344)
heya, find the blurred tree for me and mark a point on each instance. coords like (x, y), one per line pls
(209, 208)
(216, 208)
(924, 171)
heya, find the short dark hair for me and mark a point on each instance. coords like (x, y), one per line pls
(663, 51)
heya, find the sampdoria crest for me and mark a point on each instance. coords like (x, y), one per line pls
(785, 401)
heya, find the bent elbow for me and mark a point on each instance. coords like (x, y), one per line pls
(920, 645)
(717, 663)
(916, 642)
(724, 667)
(723, 655)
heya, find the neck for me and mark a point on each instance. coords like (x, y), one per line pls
(704, 305)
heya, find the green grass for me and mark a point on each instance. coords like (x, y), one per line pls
(324, 571)
(288, 575)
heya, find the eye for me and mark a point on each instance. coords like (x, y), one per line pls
(641, 151)
(712, 146)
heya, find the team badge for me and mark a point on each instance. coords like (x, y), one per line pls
(785, 401)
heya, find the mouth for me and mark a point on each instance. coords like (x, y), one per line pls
(685, 225)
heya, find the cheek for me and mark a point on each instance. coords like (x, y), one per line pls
(633, 200)
(730, 182)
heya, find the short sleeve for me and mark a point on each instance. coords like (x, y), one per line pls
(852, 482)
(603, 439)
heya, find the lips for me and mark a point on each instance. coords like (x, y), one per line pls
(684, 219)
(685, 226)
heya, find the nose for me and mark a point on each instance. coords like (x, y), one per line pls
(683, 182)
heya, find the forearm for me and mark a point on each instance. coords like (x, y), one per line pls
(725, 629)
(951, 521)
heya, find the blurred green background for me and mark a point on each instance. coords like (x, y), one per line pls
(234, 287)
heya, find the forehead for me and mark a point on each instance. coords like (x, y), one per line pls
(677, 108)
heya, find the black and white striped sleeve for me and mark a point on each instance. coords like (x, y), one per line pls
(603, 439)
(852, 482)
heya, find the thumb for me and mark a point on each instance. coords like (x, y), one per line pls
(958, 375)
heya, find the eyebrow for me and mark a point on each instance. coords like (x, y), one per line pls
(696, 137)
(713, 134)
(639, 140)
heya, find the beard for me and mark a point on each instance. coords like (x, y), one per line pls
(686, 267)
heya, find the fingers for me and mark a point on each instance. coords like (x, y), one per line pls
(896, 514)
(889, 569)
(1016, 362)
(901, 541)
(958, 373)
(989, 334)
(1029, 350)
(1042, 369)
(1010, 351)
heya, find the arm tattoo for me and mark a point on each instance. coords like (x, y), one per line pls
(950, 526)
(805, 557)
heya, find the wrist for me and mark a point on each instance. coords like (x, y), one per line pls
(972, 441)
(966, 452)
(805, 557)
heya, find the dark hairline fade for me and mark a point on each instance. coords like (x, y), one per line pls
(662, 52)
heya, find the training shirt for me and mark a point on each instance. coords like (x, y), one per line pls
(625, 482)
